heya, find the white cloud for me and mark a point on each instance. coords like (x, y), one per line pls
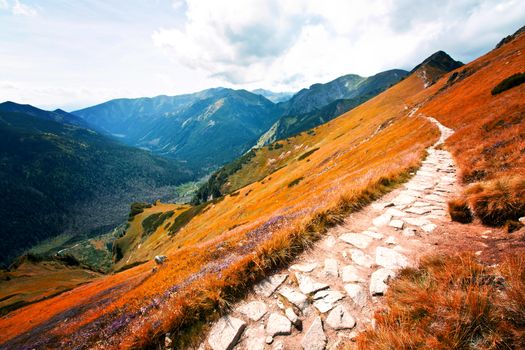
(17, 8)
(287, 44)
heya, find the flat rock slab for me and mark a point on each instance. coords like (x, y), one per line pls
(396, 212)
(225, 333)
(351, 274)
(339, 318)
(308, 285)
(379, 280)
(391, 240)
(373, 234)
(331, 267)
(428, 228)
(416, 221)
(387, 257)
(417, 210)
(256, 338)
(382, 220)
(278, 325)
(254, 310)
(404, 199)
(268, 286)
(325, 300)
(361, 258)
(397, 224)
(314, 339)
(357, 293)
(356, 239)
(294, 297)
(304, 267)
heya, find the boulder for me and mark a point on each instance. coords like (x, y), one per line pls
(356, 293)
(160, 259)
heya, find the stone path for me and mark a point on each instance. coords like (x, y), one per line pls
(332, 290)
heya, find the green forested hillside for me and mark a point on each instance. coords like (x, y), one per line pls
(59, 178)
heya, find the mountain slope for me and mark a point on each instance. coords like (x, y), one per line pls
(323, 102)
(58, 115)
(230, 121)
(59, 178)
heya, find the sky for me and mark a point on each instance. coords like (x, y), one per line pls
(73, 54)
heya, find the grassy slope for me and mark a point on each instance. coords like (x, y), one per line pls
(32, 282)
(482, 121)
(267, 217)
(455, 301)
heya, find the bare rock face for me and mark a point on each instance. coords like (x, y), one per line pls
(225, 333)
(314, 339)
(339, 318)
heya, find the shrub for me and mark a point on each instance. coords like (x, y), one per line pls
(306, 154)
(295, 182)
(459, 211)
(508, 83)
(497, 201)
(137, 208)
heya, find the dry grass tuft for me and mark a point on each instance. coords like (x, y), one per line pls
(498, 201)
(453, 302)
(459, 211)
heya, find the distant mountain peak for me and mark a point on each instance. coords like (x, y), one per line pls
(440, 60)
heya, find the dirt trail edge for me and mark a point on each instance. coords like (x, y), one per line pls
(331, 291)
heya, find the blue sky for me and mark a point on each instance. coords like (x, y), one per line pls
(72, 54)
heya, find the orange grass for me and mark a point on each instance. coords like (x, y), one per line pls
(452, 302)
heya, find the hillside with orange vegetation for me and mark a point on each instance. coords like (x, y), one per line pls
(281, 200)
(489, 140)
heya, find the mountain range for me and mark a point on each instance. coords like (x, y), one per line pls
(231, 121)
